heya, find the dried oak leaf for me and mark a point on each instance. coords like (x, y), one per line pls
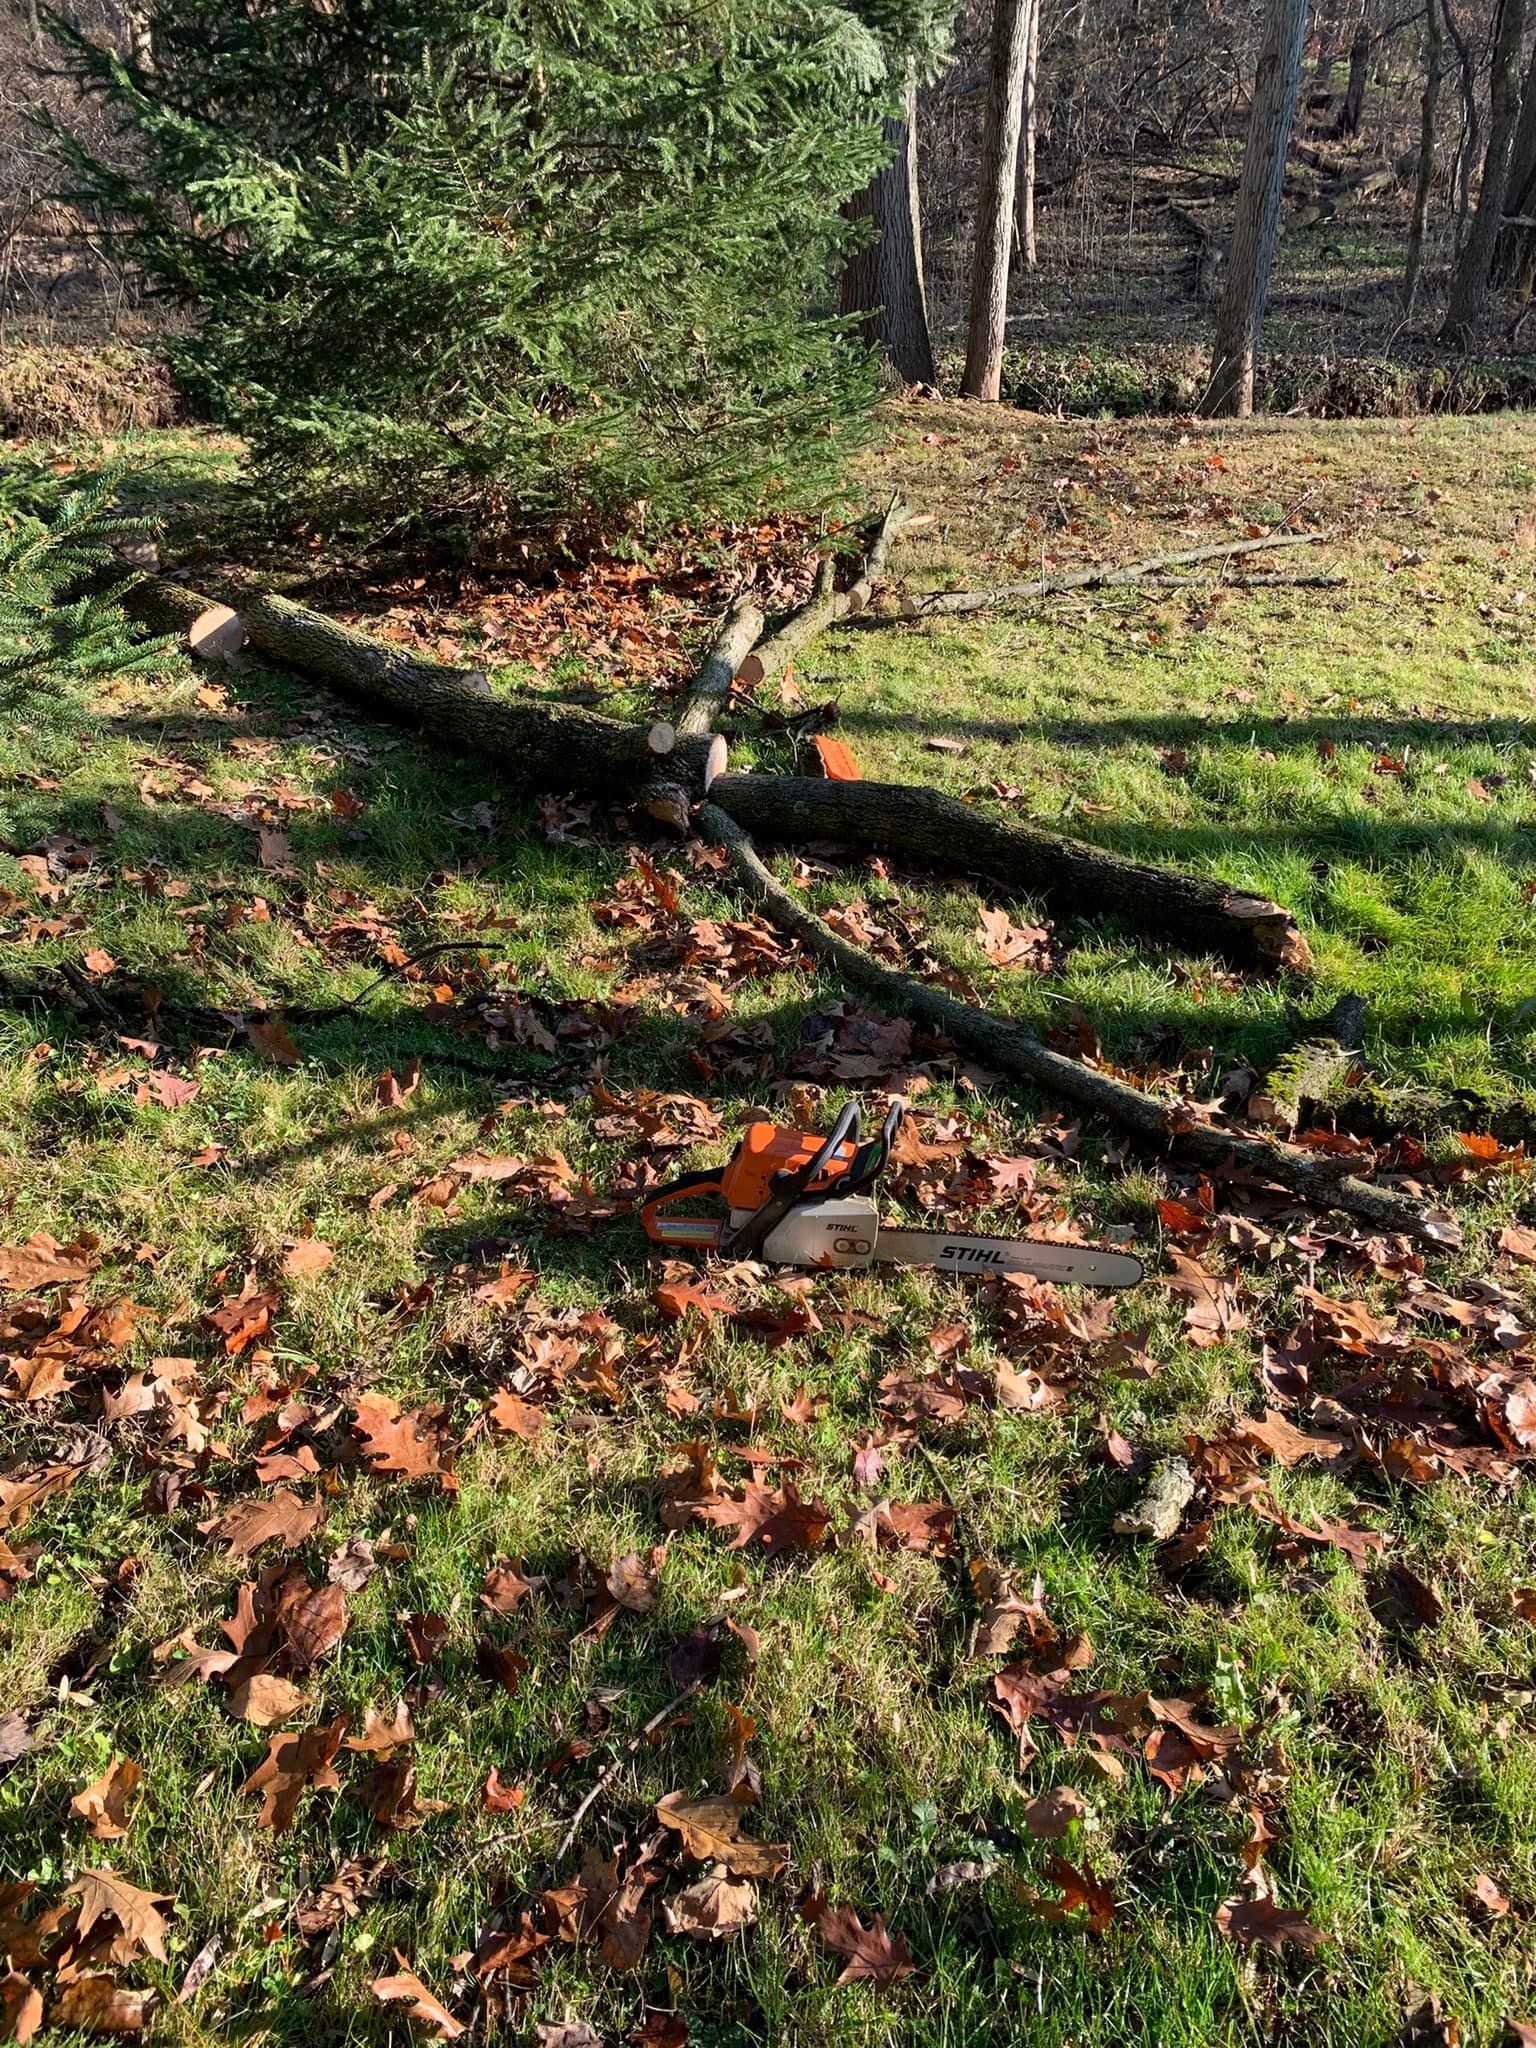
(99, 2005)
(107, 1805)
(1050, 1815)
(241, 1318)
(772, 1520)
(1007, 944)
(714, 1907)
(1081, 1892)
(1211, 1310)
(424, 2009)
(264, 1699)
(43, 1262)
(389, 1793)
(1247, 1921)
(404, 1445)
(926, 1526)
(868, 1952)
(106, 1896)
(292, 1766)
(661, 2030)
(511, 1415)
(504, 1588)
(711, 1833)
(21, 2008)
(307, 1255)
(245, 1525)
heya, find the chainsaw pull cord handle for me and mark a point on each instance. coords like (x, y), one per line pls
(787, 1188)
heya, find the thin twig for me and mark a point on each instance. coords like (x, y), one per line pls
(606, 1776)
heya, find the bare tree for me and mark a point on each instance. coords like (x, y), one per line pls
(1024, 194)
(994, 206)
(1229, 394)
(1515, 257)
(1353, 110)
(1434, 45)
(1474, 267)
(883, 280)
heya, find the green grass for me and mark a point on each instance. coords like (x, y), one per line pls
(1400, 1768)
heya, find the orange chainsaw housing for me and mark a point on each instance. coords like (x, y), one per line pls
(765, 1150)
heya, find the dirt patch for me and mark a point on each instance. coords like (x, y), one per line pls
(52, 390)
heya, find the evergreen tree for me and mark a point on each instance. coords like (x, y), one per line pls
(524, 261)
(57, 626)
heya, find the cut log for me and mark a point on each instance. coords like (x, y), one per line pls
(1316, 1176)
(947, 604)
(711, 690)
(536, 746)
(938, 832)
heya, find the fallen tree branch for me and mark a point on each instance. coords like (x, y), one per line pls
(935, 604)
(1325, 579)
(826, 606)
(1317, 1177)
(1076, 878)
(539, 746)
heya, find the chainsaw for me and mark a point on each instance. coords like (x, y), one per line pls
(792, 1198)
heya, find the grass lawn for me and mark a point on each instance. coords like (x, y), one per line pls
(233, 840)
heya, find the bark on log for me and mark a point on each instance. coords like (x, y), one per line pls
(711, 689)
(1318, 1177)
(535, 746)
(948, 604)
(540, 747)
(931, 829)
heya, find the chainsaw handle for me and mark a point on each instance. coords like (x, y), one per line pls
(844, 1131)
(695, 1230)
(789, 1187)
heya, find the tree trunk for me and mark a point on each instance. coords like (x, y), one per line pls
(1024, 195)
(883, 281)
(1469, 287)
(1229, 395)
(994, 204)
(1353, 109)
(1433, 47)
(1516, 252)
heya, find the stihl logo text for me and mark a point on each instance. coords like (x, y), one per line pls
(969, 1255)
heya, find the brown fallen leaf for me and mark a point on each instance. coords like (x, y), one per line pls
(107, 1805)
(307, 1255)
(1081, 1892)
(408, 1446)
(566, 2034)
(43, 1262)
(99, 2005)
(498, 1798)
(1518, 1241)
(511, 1415)
(264, 1699)
(292, 1766)
(713, 1908)
(661, 2030)
(1007, 944)
(1053, 1813)
(21, 2008)
(1211, 1306)
(868, 1952)
(710, 1831)
(245, 1525)
(504, 1589)
(406, 1986)
(1247, 1921)
(1485, 1900)
(106, 1896)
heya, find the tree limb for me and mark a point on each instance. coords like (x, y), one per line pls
(1318, 1177)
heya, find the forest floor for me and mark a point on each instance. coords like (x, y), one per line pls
(379, 1273)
